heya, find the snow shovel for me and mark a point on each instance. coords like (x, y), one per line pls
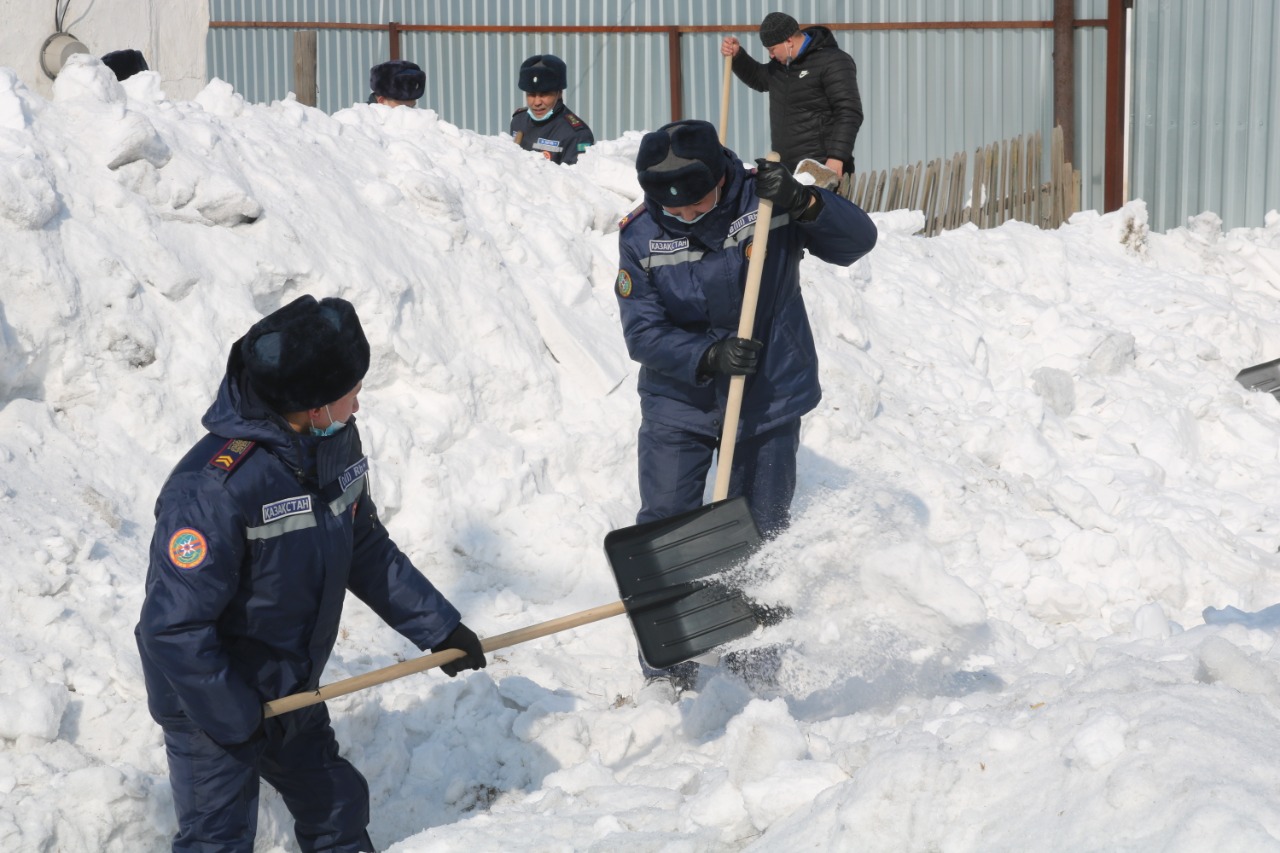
(1262, 377)
(666, 570)
(660, 566)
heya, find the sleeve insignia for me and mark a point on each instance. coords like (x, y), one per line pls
(188, 549)
(624, 283)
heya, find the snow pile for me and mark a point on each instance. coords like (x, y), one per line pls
(1032, 472)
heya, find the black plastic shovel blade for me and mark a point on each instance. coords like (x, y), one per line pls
(665, 570)
(1262, 377)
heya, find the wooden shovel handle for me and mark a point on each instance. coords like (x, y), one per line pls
(276, 707)
(746, 323)
(724, 98)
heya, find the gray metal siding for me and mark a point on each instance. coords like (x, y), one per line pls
(925, 93)
(1206, 110)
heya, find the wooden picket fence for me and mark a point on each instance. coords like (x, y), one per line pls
(1007, 184)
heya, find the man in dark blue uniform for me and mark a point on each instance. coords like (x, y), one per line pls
(683, 257)
(545, 124)
(260, 531)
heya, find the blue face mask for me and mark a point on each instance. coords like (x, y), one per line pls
(333, 427)
(666, 212)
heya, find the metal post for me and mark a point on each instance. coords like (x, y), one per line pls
(1113, 174)
(304, 66)
(676, 61)
(1064, 73)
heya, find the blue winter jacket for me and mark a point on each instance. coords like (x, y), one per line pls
(253, 551)
(680, 289)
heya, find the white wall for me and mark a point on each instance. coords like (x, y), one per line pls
(170, 34)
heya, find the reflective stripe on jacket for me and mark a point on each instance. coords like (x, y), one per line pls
(680, 288)
(249, 568)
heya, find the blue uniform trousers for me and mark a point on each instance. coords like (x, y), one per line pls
(215, 789)
(674, 464)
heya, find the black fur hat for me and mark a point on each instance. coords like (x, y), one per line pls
(777, 27)
(680, 163)
(125, 63)
(398, 79)
(543, 73)
(306, 354)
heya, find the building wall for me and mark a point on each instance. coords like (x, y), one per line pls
(170, 34)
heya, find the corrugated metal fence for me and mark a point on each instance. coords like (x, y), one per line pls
(1206, 110)
(927, 92)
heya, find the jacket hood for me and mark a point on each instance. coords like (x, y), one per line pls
(237, 412)
(819, 37)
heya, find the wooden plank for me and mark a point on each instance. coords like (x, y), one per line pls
(1033, 184)
(944, 198)
(1015, 178)
(879, 193)
(895, 188)
(1006, 149)
(975, 191)
(929, 195)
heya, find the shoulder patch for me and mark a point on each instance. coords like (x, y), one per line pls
(623, 284)
(231, 455)
(188, 549)
(630, 217)
(521, 110)
(573, 120)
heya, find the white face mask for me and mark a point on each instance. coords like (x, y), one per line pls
(666, 212)
(333, 427)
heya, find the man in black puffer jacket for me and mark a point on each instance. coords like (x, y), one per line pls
(814, 106)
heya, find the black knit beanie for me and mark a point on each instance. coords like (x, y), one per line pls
(777, 27)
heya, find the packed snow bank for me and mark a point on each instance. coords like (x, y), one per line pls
(1031, 473)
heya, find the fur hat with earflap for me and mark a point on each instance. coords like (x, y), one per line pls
(543, 73)
(306, 354)
(398, 80)
(680, 163)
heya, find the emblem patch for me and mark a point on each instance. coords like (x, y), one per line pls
(624, 283)
(188, 549)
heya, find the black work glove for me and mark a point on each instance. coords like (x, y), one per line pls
(732, 356)
(465, 639)
(776, 183)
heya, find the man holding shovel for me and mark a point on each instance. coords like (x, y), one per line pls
(260, 530)
(815, 109)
